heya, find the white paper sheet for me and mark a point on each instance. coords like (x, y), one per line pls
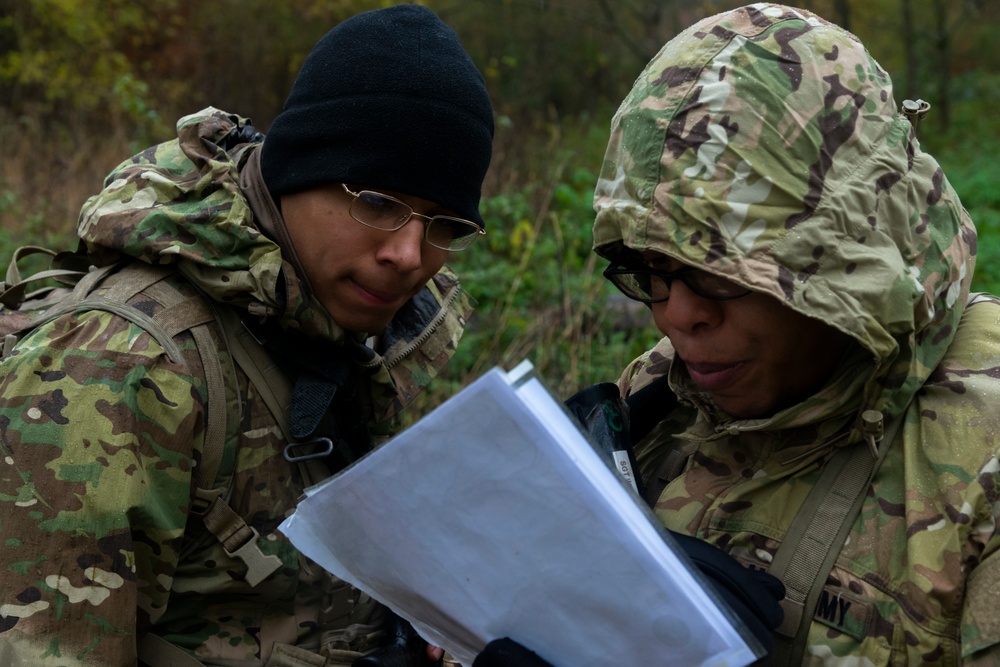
(493, 517)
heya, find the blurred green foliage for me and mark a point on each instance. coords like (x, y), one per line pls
(85, 83)
(967, 153)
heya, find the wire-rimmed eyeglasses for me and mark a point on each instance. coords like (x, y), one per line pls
(379, 211)
(650, 285)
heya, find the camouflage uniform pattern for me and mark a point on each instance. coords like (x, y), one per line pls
(100, 431)
(764, 145)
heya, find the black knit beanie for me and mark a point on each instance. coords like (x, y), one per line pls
(387, 100)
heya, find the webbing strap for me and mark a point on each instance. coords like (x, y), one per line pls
(93, 277)
(135, 278)
(180, 313)
(127, 283)
(212, 504)
(155, 651)
(814, 540)
(13, 294)
(13, 275)
(216, 419)
(271, 383)
(184, 316)
(286, 655)
(144, 321)
(813, 534)
(12, 288)
(274, 388)
(240, 541)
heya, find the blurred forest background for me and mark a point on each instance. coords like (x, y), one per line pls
(86, 83)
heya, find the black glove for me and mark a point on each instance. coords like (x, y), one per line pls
(753, 594)
(406, 647)
(507, 653)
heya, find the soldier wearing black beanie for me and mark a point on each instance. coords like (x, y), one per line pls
(387, 100)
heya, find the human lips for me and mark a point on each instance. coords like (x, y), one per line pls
(713, 376)
(377, 297)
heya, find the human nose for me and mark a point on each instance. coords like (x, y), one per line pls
(403, 248)
(685, 311)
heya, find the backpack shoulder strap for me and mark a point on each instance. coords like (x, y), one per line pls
(155, 651)
(817, 533)
(210, 501)
(274, 388)
(271, 384)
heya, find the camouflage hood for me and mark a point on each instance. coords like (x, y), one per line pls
(180, 203)
(764, 145)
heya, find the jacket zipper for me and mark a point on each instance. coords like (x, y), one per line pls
(428, 330)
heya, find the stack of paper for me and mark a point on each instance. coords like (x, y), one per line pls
(494, 517)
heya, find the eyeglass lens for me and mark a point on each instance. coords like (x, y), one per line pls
(652, 286)
(383, 212)
(379, 211)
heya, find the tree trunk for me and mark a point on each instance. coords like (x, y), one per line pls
(843, 11)
(942, 61)
(910, 51)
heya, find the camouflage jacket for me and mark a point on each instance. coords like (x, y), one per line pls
(100, 431)
(764, 145)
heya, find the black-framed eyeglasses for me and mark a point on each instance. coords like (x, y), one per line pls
(379, 211)
(653, 286)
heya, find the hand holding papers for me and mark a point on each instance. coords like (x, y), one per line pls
(494, 517)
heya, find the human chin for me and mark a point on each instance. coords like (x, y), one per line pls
(738, 407)
(751, 399)
(360, 320)
(755, 401)
(353, 314)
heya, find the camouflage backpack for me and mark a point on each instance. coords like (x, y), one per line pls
(82, 287)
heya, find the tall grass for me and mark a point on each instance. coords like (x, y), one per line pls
(46, 175)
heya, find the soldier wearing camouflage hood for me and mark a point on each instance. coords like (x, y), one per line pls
(809, 265)
(313, 261)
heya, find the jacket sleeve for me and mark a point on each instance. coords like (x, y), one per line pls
(981, 610)
(99, 432)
